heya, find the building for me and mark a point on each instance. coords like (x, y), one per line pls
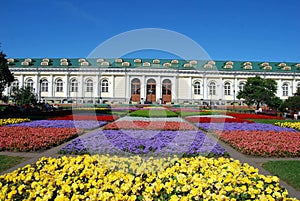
(147, 80)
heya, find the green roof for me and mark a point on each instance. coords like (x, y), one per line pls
(247, 66)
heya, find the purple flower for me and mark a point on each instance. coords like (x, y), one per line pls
(160, 143)
(242, 126)
(84, 124)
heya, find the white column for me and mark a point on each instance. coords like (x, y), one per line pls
(191, 89)
(159, 88)
(112, 93)
(220, 95)
(279, 89)
(51, 85)
(205, 88)
(143, 87)
(81, 87)
(21, 81)
(66, 87)
(96, 86)
(294, 89)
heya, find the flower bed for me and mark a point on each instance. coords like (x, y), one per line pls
(264, 143)
(87, 117)
(12, 121)
(149, 125)
(243, 127)
(153, 113)
(216, 120)
(294, 125)
(163, 143)
(111, 178)
(31, 139)
(252, 116)
(62, 124)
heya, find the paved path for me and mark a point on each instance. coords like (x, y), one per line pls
(257, 162)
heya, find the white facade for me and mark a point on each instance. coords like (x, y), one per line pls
(116, 82)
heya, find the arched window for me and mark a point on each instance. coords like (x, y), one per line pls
(285, 89)
(14, 86)
(74, 85)
(59, 85)
(29, 84)
(197, 88)
(227, 89)
(135, 87)
(104, 85)
(44, 85)
(89, 85)
(241, 86)
(212, 88)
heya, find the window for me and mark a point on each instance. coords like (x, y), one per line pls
(212, 88)
(59, 85)
(135, 87)
(241, 86)
(197, 89)
(166, 87)
(14, 86)
(74, 85)
(298, 88)
(29, 84)
(285, 89)
(44, 85)
(227, 89)
(104, 86)
(89, 85)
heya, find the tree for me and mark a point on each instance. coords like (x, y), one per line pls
(23, 96)
(259, 91)
(292, 102)
(6, 77)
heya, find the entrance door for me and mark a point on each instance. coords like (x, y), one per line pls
(166, 91)
(151, 90)
(135, 90)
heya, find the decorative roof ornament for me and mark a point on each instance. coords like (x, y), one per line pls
(146, 64)
(156, 61)
(137, 61)
(100, 60)
(167, 64)
(125, 64)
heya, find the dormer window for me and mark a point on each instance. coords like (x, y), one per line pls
(46, 60)
(167, 64)
(193, 62)
(248, 63)
(187, 65)
(282, 64)
(137, 61)
(229, 63)
(81, 60)
(146, 64)
(100, 60)
(25, 63)
(126, 64)
(265, 64)
(28, 60)
(64, 63)
(10, 60)
(105, 63)
(156, 61)
(287, 68)
(44, 63)
(211, 62)
(268, 67)
(208, 66)
(228, 66)
(118, 60)
(64, 60)
(174, 61)
(84, 63)
(248, 67)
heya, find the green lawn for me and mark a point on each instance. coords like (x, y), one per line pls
(7, 162)
(153, 113)
(270, 121)
(288, 171)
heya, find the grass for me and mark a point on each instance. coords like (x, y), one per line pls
(288, 171)
(153, 113)
(270, 121)
(7, 162)
(213, 112)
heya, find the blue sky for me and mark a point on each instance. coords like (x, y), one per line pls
(265, 30)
